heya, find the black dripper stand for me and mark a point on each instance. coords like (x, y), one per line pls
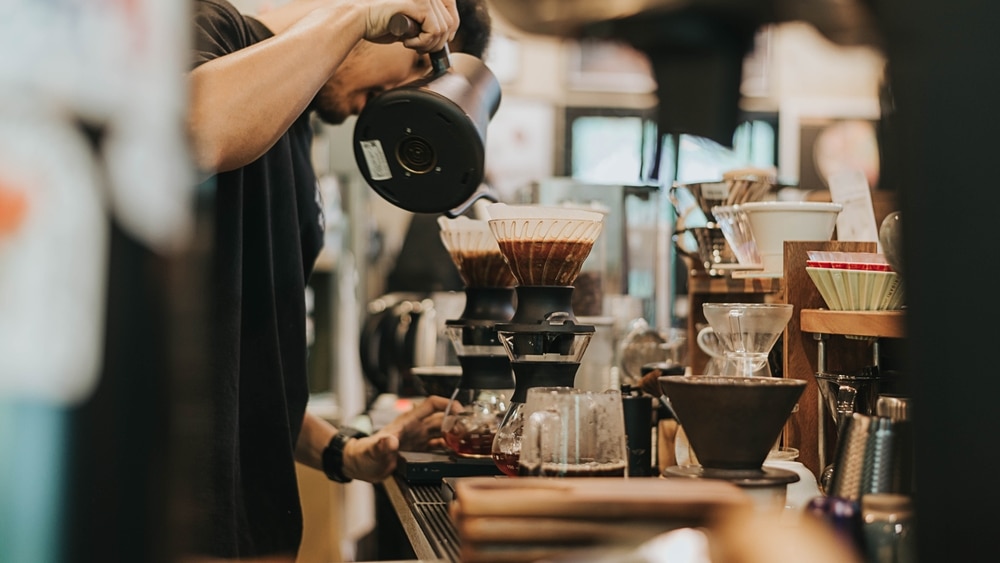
(545, 247)
(484, 391)
(543, 352)
(482, 396)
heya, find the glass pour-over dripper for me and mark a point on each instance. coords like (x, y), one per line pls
(747, 332)
(482, 396)
(545, 247)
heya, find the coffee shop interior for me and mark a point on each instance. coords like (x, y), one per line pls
(632, 115)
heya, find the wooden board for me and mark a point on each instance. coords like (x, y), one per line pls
(596, 497)
(523, 519)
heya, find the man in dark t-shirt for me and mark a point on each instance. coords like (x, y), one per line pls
(254, 84)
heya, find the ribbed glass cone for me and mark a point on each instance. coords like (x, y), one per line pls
(544, 245)
(475, 253)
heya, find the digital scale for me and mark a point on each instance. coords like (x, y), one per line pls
(431, 467)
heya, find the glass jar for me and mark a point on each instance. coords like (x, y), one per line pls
(506, 449)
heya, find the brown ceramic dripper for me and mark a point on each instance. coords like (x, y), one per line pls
(732, 423)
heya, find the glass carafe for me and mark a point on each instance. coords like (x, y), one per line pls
(569, 432)
(478, 405)
(484, 392)
(542, 355)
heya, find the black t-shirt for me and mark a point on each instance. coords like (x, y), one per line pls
(268, 233)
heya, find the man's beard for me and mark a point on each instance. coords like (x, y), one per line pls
(328, 117)
(328, 114)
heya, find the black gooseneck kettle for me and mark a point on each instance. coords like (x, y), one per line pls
(421, 146)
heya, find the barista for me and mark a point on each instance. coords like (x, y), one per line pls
(255, 83)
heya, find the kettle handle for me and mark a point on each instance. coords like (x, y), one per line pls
(402, 26)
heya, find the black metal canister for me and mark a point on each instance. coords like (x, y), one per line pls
(638, 409)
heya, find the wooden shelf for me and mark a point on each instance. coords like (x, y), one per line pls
(880, 324)
(700, 282)
(806, 430)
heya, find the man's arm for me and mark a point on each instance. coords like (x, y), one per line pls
(374, 458)
(241, 103)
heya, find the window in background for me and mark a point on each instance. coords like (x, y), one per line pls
(609, 146)
(619, 146)
(755, 144)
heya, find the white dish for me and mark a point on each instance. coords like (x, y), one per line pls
(774, 222)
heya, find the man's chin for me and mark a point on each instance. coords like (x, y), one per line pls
(331, 118)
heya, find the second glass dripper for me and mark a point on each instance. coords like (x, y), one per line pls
(747, 332)
(482, 396)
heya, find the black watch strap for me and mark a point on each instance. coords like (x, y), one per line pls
(333, 454)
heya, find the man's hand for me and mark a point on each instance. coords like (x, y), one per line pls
(374, 458)
(437, 21)
(420, 428)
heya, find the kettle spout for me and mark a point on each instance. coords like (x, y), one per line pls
(484, 192)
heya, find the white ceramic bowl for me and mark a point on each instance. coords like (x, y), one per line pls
(774, 222)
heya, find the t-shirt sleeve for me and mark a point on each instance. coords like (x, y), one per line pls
(219, 29)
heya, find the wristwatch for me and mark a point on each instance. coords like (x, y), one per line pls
(333, 454)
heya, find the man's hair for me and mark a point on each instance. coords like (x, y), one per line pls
(475, 25)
